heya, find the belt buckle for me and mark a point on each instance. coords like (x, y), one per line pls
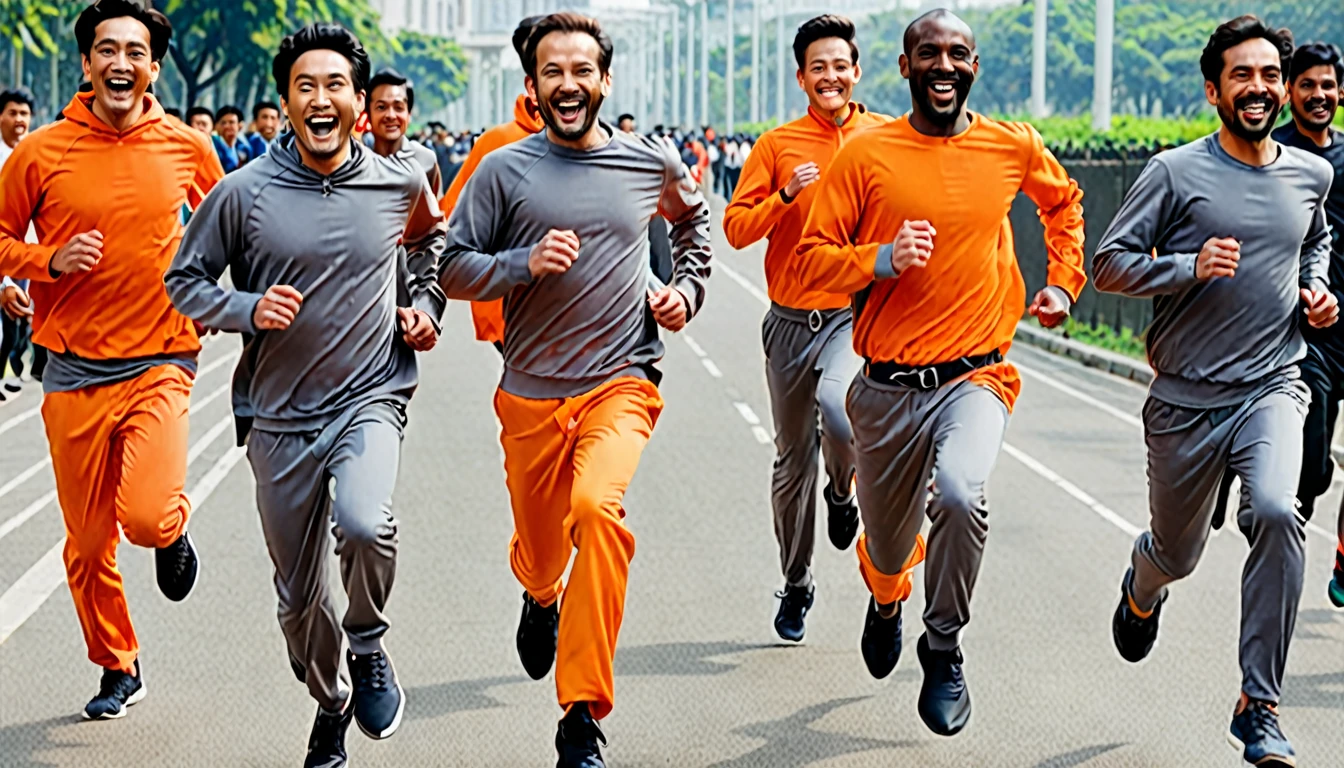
(933, 374)
(814, 320)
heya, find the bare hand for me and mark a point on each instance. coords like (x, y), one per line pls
(1322, 308)
(803, 177)
(669, 308)
(277, 308)
(81, 254)
(913, 246)
(1050, 307)
(15, 303)
(417, 330)
(1218, 258)
(555, 254)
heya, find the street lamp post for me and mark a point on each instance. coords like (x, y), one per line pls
(729, 78)
(658, 41)
(1038, 44)
(690, 68)
(1101, 84)
(676, 65)
(704, 62)
(755, 61)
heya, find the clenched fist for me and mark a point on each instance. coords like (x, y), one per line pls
(555, 254)
(1218, 258)
(277, 308)
(81, 254)
(913, 246)
(802, 178)
(417, 330)
(669, 308)
(1322, 308)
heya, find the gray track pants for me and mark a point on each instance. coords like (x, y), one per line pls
(342, 477)
(809, 363)
(1188, 452)
(904, 437)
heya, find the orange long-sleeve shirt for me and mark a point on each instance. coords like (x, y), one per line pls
(970, 296)
(488, 316)
(758, 210)
(77, 175)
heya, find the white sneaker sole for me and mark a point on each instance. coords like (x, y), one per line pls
(396, 719)
(136, 698)
(1240, 746)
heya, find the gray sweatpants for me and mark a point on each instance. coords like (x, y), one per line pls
(903, 438)
(342, 477)
(1260, 442)
(809, 363)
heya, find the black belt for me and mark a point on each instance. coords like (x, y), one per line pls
(814, 318)
(928, 377)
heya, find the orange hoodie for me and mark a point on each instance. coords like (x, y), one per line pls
(758, 209)
(970, 296)
(488, 316)
(78, 174)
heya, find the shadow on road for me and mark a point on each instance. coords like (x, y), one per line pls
(790, 743)
(679, 659)
(1077, 757)
(23, 741)
(427, 702)
(1316, 691)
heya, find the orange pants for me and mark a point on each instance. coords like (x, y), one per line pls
(119, 453)
(888, 588)
(488, 319)
(567, 464)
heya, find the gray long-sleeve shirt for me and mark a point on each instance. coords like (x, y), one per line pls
(1213, 342)
(568, 333)
(334, 239)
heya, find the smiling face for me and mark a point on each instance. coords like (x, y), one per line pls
(1315, 97)
(14, 121)
(569, 86)
(268, 123)
(941, 66)
(1250, 92)
(389, 114)
(228, 127)
(322, 104)
(829, 76)
(119, 66)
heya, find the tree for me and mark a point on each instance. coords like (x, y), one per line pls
(23, 24)
(435, 65)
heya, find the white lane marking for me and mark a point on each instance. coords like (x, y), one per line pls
(19, 418)
(1082, 397)
(696, 348)
(23, 517)
(746, 284)
(747, 413)
(1103, 511)
(762, 436)
(711, 367)
(22, 600)
(23, 476)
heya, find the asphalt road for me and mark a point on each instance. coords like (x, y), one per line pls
(700, 678)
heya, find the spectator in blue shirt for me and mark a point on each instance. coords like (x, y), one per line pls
(232, 149)
(266, 125)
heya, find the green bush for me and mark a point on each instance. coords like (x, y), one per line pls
(1124, 342)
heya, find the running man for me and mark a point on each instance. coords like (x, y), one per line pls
(912, 218)
(391, 102)
(1314, 79)
(1225, 343)
(809, 354)
(103, 188)
(328, 365)
(558, 223)
(488, 316)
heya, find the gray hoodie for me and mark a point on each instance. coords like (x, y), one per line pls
(335, 239)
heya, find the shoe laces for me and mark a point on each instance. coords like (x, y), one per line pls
(116, 683)
(947, 667)
(582, 729)
(1264, 720)
(371, 671)
(181, 554)
(792, 598)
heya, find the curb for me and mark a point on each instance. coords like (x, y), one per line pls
(1110, 362)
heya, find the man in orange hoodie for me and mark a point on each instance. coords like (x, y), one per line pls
(912, 219)
(488, 316)
(809, 353)
(103, 188)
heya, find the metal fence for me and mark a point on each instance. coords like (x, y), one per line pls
(1104, 183)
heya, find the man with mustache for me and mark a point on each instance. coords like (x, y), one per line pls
(103, 187)
(810, 360)
(558, 224)
(1225, 342)
(332, 317)
(1314, 78)
(488, 316)
(937, 295)
(391, 101)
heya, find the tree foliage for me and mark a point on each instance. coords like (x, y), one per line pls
(23, 23)
(436, 67)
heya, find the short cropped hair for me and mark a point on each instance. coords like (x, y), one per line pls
(1235, 32)
(226, 110)
(160, 29)
(18, 95)
(1314, 55)
(263, 105)
(391, 76)
(321, 37)
(821, 28)
(567, 22)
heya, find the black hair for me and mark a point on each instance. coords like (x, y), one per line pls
(194, 111)
(522, 32)
(821, 28)
(173, 112)
(320, 37)
(624, 117)
(1235, 32)
(567, 22)
(389, 76)
(160, 29)
(18, 95)
(227, 110)
(1314, 55)
(260, 105)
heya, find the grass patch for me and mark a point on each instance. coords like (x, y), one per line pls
(1124, 341)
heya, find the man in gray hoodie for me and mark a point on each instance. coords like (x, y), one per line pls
(332, 318)
(1228, 236)
(557, 225)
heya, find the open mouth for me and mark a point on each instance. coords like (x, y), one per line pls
(120, 85)
(570, 109)
(943, 92)
(1255, 110)
(1320, 110)
(830, 92)
(321, 127)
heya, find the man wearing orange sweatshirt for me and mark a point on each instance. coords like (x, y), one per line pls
(488, 316)
(912, 219)
(809, 353)
(103, 188)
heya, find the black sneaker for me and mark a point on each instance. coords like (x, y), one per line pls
(377, 700)
(176, 568)
(1257, 734)
(944, 700)
(1336, 588)
(116, 691)
(577, 740)
(881, 642)
(538, 630)
(326, 743)
(794, 603)
(842, 517)
(1134, 637)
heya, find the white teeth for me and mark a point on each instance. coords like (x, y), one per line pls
(942, 87)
